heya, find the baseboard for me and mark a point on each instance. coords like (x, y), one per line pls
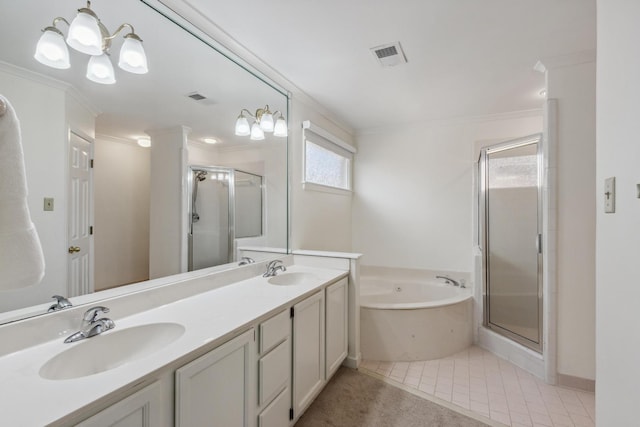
(352, 362)
(576, 382)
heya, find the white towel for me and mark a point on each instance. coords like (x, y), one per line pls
(21, 257)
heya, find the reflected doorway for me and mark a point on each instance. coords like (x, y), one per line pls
(511, 223)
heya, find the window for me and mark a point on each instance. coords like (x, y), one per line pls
(327, 161)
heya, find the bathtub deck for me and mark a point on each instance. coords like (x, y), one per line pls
(477, 380)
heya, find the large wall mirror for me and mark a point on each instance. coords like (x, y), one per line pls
(137, 202)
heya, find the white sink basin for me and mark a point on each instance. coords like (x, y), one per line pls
(110, 350)
(292, 279)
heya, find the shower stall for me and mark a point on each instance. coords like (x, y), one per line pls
(225, 204)
(510, 235)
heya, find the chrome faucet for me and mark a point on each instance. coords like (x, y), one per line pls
(92, 325)
(60, 304)
(273, 267)
(246, 260)
(451, 281)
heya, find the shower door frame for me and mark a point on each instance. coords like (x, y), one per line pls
(231, 235)
(483, 221)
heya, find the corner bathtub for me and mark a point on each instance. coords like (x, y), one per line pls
(408, 320)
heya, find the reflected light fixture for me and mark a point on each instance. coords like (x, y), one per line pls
(210, 140)
(144, 141)
(88, 35)
(263, 121)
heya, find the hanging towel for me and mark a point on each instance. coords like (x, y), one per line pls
(21, 257)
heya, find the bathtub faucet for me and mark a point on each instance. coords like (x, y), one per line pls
(451, 281)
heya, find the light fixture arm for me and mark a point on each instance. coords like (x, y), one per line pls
(119, 30)
(58, 19)
(249, 113)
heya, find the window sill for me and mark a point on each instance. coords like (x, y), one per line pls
(310, 186)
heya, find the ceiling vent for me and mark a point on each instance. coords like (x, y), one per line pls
(202, 99)
(389, 55)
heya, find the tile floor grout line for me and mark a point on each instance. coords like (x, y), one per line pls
(513, 396)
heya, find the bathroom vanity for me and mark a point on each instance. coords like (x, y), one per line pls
(253, 351)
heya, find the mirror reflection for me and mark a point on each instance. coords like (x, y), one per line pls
(114, 149)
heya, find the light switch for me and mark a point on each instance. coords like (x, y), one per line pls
(610, 195)
(48, 203)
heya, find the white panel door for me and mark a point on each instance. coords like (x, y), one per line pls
(79, 216)
(308, 351)
(337, 333)
(216, 389)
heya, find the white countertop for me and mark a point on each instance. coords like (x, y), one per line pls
(209, 318)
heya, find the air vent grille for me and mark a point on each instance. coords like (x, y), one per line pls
(385, 52)
(201, 99)
(390, 54)
(196, 96)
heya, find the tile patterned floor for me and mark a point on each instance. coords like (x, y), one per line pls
(479, 381)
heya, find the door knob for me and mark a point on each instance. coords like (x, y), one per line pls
(74, 249)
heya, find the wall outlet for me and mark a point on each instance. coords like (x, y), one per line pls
(610, 195)
(48, 203)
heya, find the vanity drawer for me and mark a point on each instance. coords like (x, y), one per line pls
(277, 413)
(274, 371)
(274, 330)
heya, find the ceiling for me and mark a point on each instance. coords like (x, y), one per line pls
(179, 64)
(465, 57)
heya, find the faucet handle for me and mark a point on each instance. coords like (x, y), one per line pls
(246, 260)
(92, 314)
(61, 303)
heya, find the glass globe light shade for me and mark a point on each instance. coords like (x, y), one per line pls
(242, 126)
(51, 49)
(132, 56)
(280, 128)
(257, 134)
(84, 33)
(266, 121)
(100, 70)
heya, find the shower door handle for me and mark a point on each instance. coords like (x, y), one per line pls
(539, 243)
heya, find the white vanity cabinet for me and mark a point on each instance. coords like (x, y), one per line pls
(308, 351)
(141, 409)
(274, 370)
(217, 388)
(336, 326)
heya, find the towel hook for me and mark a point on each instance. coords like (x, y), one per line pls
(3, 107)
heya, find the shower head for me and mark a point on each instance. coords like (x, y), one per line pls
(200, 175)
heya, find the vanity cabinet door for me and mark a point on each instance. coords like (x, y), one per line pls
(141, 409)
(308, 351)
(215, 389)
(336, 332)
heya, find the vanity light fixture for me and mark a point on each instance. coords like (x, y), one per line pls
(263, 121)
(89, 36)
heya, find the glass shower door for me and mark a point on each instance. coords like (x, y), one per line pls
(510, 178)
(211, 218)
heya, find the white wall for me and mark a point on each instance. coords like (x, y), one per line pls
(121, 200)
(413, 203)
(320, 220)
(574, 88)
(618, 244)
(167, 193)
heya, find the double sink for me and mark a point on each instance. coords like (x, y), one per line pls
(117, 347)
